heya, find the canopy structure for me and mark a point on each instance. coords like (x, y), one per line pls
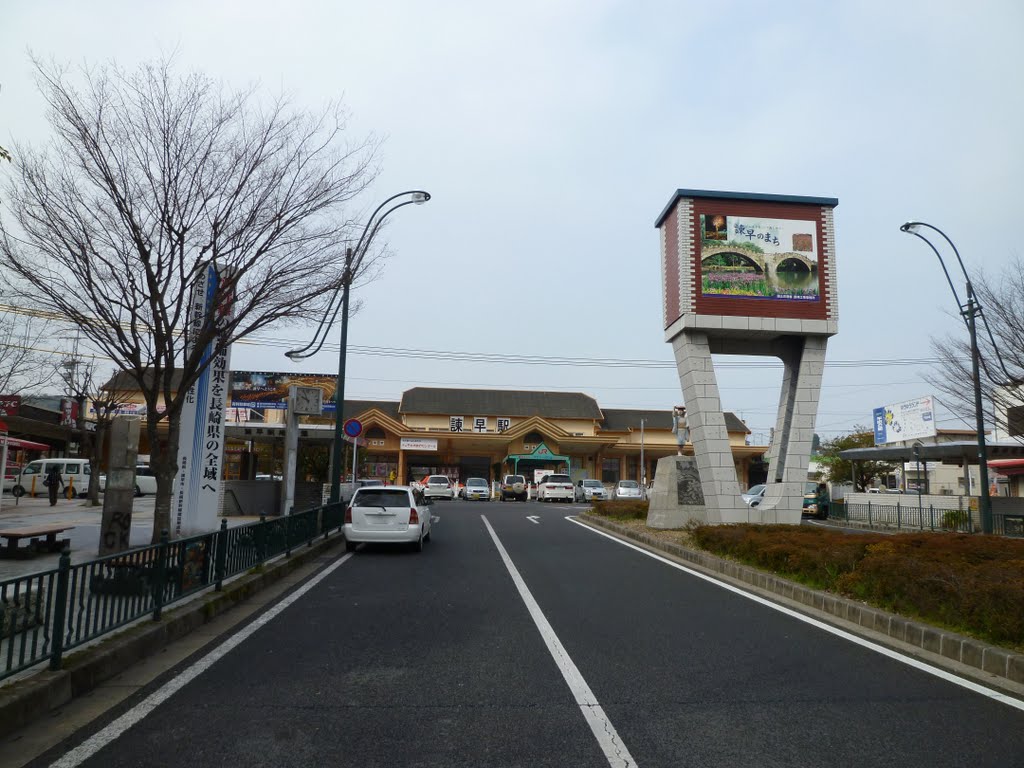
(540, 453)
(29, 445)
(960, 452)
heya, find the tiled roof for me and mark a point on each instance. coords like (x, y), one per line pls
(355, 407)
(499, 402)
(616, 419)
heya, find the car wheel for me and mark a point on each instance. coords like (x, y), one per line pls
(350, 546)
(418, 545)
(17, 491)
(138, 491)
(426, 536)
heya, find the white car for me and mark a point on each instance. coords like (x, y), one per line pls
(391, 514)
(438, 487)
(555, 488)
(476, 488)
(590, 490)
(628, 489)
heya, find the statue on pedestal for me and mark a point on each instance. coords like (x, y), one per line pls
(679, 427)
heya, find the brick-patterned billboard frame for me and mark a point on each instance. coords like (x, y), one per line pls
(680, 229)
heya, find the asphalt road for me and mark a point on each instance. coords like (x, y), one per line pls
(397, 658)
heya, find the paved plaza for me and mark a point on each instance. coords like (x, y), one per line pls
(84, 537)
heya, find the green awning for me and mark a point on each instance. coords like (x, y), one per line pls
(540, 453)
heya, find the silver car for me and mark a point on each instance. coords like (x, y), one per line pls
(476, 488)
(753, 497)
(628, 489)
(590, 490)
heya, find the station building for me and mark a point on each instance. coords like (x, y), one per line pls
(487, 433)
(460, 433)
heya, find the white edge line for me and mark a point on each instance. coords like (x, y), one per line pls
(607, 737)
(97, 741)
(892, 654)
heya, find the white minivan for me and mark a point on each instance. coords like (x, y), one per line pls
(74, 472)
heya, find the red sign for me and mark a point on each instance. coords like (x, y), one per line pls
(9, 405)
(68, 412)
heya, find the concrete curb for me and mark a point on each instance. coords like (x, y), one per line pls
(939, 644)
(26, 700)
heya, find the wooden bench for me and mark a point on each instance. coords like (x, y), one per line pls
(13, 536)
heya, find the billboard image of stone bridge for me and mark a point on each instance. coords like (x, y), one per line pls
(758, 258)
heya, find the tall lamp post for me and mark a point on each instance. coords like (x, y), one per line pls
(969, 310)
(353, 260)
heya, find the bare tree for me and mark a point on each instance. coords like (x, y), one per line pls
(83, 384)
(151, 177)
(25, 359)
(1001, 350)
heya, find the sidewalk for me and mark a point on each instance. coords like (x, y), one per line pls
(85, 536)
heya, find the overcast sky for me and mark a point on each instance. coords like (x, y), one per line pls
(551, 134)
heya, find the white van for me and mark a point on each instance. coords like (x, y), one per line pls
(74, 472)
(145, 481)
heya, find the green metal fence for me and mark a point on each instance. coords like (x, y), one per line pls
(905, 516)
(44, 614)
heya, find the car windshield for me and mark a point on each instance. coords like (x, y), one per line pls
(755, 490)
(513, 479)
(437, 480)
(592, 484)
(381, 497)
(810, 487)
(628, 484)
(476, 482)
(559, 479)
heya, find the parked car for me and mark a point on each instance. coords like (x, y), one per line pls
(555, 488)
(10, 479)
(145, 481)
(476, 488)
(628, 489)
(754, 495)
(391, 514)
(74, 472)
(438, 487)
(513, 487)
(816, 500)
(590, 490)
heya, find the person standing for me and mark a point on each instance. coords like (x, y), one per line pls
(54, 482)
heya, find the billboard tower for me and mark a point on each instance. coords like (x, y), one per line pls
(749, 274)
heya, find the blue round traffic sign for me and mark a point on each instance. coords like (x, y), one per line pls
(353, 427)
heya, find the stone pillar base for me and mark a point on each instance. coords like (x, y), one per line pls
(676, 498)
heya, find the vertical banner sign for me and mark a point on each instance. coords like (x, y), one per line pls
(197, 488)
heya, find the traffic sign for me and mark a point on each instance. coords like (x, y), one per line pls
(353, 427)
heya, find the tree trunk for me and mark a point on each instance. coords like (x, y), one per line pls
(94, 462)
(164, 462)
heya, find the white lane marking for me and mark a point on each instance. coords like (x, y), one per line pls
(97, 741)
(533, 519)
(908, 660)
(607, 737)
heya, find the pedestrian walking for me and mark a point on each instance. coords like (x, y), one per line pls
(54, 482)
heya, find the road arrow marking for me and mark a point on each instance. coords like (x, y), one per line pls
(535, 519)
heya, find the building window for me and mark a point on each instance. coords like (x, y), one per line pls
(375, 433)
(610, 471)
(534, 438)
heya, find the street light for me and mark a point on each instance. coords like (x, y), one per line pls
(353, 260)
(969, 310)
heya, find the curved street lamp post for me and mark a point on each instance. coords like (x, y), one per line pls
(969, 310)
(353, 260)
